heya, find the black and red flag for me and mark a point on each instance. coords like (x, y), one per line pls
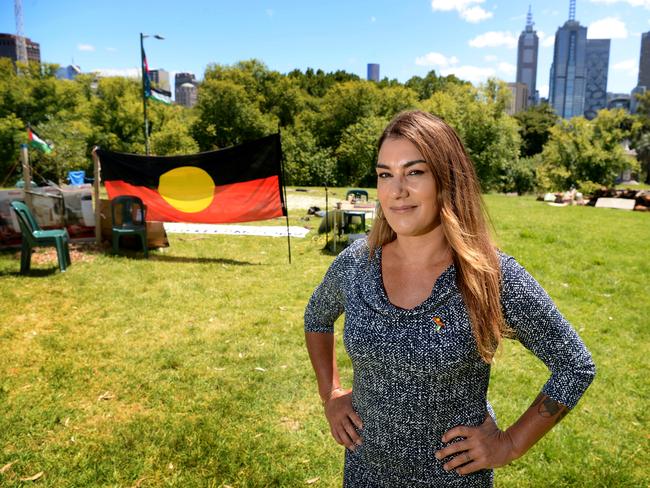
(237, 184)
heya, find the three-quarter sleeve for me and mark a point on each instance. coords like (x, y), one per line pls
(541, 328)
(327, 303)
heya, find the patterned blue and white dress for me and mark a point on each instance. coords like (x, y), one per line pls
(418, 373)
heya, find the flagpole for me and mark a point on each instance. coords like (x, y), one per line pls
(144, 94)
(27, 176)
(96, 182)
(146, 91)
(284, 192)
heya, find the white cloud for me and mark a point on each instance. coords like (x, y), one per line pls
(507, 68)
(490, 58)
(495, 39)
(85, 47)
(373, 19)
(436, 59)
(474, 74)
(549, 41)
(632, 3)
(475, 15)
(607, 28)
(628, 66)
(468, 10)
(126, 72)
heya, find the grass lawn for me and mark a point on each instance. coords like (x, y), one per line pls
(189, 369)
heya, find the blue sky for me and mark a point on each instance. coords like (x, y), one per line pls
(472, 38)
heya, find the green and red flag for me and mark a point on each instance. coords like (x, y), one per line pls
(155, 93)
(236, 184)
(36, 142)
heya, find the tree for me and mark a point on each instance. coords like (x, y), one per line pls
(343, 105)
(304, 162)
(641, 133)
(535, 127)
(582, 153)
(227, 116)
(489, 134)
(357, 152)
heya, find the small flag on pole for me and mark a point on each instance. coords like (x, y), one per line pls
(36, 142)
(154, 93)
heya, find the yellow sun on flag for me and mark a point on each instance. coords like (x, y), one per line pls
(188, 188)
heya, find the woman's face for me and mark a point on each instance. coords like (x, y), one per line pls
(406, 188)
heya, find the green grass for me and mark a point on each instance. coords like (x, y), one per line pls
(189, 369)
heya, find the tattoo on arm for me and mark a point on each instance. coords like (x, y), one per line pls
(549, 408)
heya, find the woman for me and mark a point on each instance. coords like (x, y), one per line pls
(427, 300)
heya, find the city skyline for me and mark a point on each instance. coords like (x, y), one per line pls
(473, 39)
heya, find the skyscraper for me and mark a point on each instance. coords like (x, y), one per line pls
(597, 64)
(160, 78)
(644, 61)
(527, 59)
(373, 72)
(568, 71)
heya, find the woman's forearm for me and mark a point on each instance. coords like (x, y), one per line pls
(540, 417)
(323, 359)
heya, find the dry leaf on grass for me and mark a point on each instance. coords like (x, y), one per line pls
(33, 478)
(313, 480)
(7, 466)
(107, 395)
(139, 482)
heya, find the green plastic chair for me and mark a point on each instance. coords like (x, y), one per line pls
(131, 222)
(358, 193)
(34, 236)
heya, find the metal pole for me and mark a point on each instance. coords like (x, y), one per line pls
(27, 176)
(327, 222)
(144, 95)
(98, 210)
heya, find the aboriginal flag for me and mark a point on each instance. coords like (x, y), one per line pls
(237, 184)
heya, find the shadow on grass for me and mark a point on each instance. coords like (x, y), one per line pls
(187, 259)
(33, 273)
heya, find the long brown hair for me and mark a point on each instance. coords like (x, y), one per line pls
(463, 219)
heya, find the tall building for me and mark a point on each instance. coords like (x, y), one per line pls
(568, 71)
(527, 59)
(186, 89)
(597, 63)
(519, 98)
(644, 61)
(160, 79)
(8, 48)
(373, 72)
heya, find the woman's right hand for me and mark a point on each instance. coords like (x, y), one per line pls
(342, 418)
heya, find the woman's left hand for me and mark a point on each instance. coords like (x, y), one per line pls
(483, 447)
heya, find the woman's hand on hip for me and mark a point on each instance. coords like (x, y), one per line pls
(482, 447)
(342, 418)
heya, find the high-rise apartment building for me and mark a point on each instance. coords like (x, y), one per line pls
(568, 71)
(644, 61)
(373, 72)
(8, 48)
(597, 65)
(527, 59)
(160, 79)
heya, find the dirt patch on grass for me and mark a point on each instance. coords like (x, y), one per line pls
(79, 253)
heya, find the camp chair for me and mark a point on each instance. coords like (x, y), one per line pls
(34, 236)
(131, 222)
(358, 193)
